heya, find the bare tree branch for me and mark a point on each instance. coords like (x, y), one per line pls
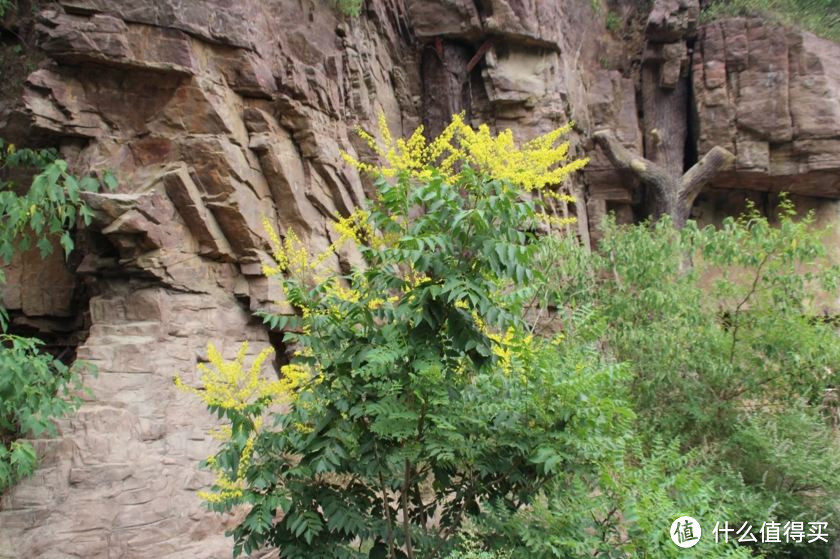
(693, 181)
(671, 195)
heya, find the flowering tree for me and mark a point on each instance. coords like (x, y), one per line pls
(417, 391)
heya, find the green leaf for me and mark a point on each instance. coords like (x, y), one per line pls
(45, 246)
(110, 180)
(67, 243)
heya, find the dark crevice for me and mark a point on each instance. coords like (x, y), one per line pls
(692, 125)
(282, 352)
(483, 8)
(445, 82)
(61, 335)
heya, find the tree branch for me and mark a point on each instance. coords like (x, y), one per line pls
(647, 171)
(672, 195)
(702, 172)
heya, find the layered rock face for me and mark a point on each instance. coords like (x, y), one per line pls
(214, 116)
(770, 95)
(218, 115)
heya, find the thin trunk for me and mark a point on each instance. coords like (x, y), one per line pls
(406, 517)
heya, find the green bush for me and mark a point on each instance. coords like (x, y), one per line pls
(729, 358)
(35, 387)
(613, 22)
(417, 401)
(417, 393)
(626, 511)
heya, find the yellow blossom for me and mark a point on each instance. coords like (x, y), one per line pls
(230, 385)
(557, 221)
(535, 165)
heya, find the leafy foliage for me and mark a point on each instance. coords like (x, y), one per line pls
(728, 356)
(638, 496)
(478, 391)
(613, 22)
(35, 387)
(818, 16)
(48, 207)
(427, 394)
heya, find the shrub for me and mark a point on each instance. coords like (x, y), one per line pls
(613, 22)
(421, 392)
(35, 388)
(721, 330)
(350, 7)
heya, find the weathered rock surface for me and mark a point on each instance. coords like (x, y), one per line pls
(213, 117)
(216, 115)
(770, 95)
(119, 479)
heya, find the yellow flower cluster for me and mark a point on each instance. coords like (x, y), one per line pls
(291, 255)
(559, 222)
(376, 302)
(355, 226)
(502, 349)
(230, 385)
(535, 165)
(413, 155)
(505, 346)
(227, 488)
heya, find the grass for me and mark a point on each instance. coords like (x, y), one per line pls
(613, 22)
(346, 7)
(821, 17)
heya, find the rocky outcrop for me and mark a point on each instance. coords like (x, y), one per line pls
(119, 480)
(769, 95)
(214, 117)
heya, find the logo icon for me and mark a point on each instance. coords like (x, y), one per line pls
(685, 532)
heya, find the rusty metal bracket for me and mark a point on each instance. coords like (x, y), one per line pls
(479, 54)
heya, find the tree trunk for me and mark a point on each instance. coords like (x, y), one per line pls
(665, 121)
(672, 195)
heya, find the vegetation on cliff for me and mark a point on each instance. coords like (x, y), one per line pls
(349, 7)
(821, 17)
(35, 387)
(479, 390)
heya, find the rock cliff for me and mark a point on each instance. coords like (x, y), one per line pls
(215, 114)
